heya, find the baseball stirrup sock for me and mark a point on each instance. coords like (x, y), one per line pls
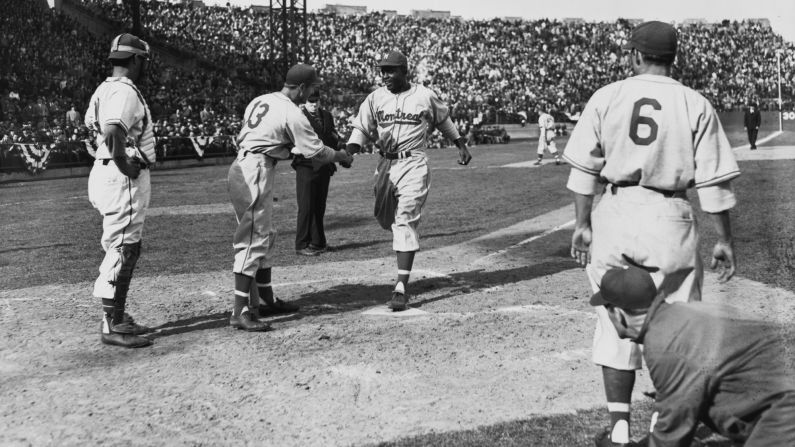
(241, 301)
(403, 278)
(265, 293)
(619, 419)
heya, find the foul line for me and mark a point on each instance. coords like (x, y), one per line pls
(763, 140)
(569, 224)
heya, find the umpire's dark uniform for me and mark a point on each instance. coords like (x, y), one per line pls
(709, 363)
(752, 119)
(311, 184)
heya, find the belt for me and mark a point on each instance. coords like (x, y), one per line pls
(141, 164)
(395, 155)
(613, 188)
(274, 160)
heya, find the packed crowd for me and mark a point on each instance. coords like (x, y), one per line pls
(479, 67)
(54, 65)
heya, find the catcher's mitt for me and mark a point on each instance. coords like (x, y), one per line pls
(385, 195)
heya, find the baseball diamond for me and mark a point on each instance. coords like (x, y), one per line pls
(451, 286)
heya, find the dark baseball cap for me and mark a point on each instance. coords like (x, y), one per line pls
(302, 74)
(628, 288)
(655, 38)
(394, 59)
(126, 45)
(314, 97)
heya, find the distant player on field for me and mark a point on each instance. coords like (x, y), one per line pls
(643, 142)
(399, 117)
(546, 138)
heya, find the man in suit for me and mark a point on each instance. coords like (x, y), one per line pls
(312, 182)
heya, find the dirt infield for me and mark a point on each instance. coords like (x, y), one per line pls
(498, 334)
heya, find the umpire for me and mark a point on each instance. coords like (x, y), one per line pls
(311, 182)
(709, 363)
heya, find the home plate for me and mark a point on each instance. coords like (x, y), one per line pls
(383, 311)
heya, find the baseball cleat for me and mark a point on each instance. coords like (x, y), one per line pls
(537, 163)
(398, 302)
(248, 322)
(603, 440)
(278, 307)
(557, 161)
(129, 326)
(111, 337)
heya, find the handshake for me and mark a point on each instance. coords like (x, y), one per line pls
(344, 158)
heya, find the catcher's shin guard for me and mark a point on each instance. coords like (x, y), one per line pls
(129, 257)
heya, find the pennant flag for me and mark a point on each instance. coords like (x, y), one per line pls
(35, 157)
(200, 144)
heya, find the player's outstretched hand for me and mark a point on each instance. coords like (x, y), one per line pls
(464, 157)
(581, 245)
(723, 260)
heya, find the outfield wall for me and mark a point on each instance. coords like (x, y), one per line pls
(769, 120)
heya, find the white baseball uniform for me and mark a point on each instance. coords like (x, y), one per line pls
(273, 128)
(122, 201)
(650, 139)
(400, 125)
(546, 134)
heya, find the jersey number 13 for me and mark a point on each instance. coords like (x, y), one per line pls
(637, 120)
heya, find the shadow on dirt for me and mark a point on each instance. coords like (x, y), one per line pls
(353, 297)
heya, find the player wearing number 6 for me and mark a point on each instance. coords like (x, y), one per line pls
(643, 142)
(273, 127)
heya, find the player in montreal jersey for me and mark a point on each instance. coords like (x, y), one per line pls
(643, 142)
(273, 127)
(399, 117)
(119, 185)
(546, 138)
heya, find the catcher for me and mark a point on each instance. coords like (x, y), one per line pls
(709, 363)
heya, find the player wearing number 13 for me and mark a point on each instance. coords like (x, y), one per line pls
(273, 127)
(644, 141)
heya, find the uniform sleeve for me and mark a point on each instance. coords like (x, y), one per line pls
(305, 140)
(681, 392)
(439, 110)
(123, 107)
(365, 120)
(714, 157)
(584, 152)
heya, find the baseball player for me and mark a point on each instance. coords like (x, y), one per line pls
(273, 127)
(644, 141)
(118, 185)
(546, 138)
(399, 117)
(709, 363)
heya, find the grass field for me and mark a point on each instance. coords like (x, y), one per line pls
(50, 243)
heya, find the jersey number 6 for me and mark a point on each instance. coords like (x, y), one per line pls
(263, 109)
(637, 120)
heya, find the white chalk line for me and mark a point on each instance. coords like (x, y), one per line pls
(569, 224)
(761, 141)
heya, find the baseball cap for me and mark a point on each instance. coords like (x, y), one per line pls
(314, 97)
(655, 38)
(302, 74)
(627, 288)
(394, 59)
(126, 45)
